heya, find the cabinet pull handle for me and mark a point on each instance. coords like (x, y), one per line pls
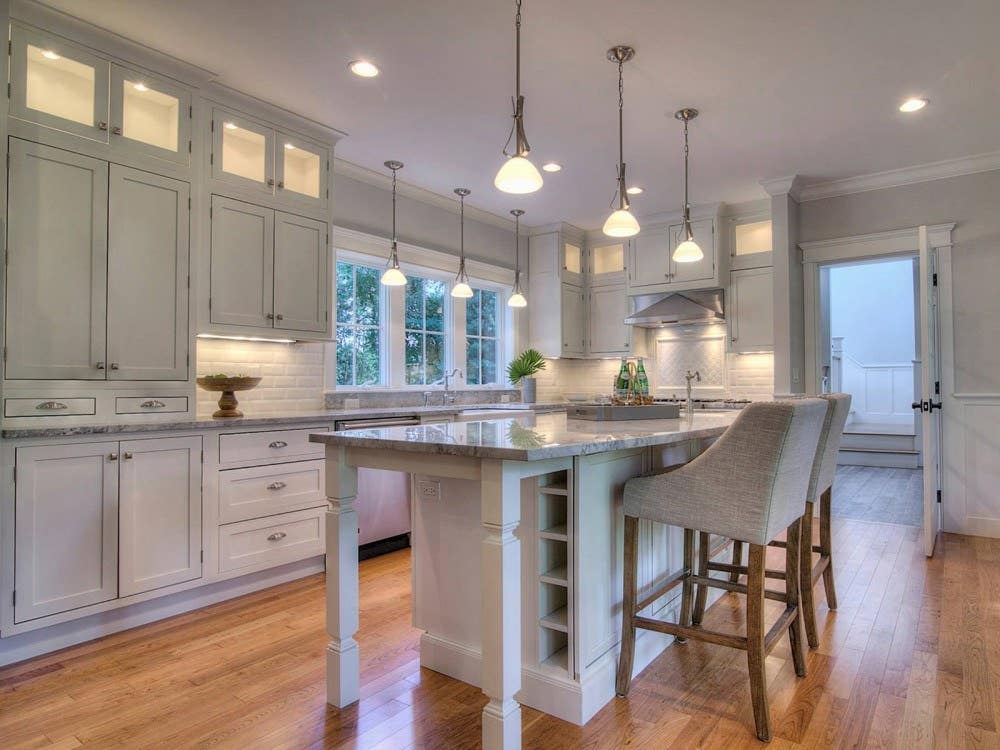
(112, 456)
(279, 317)
(127, 456)
(278, 444)
(152, 404)
(277, 486)
(102, 126)
(269, 316)
(52, 406)
(116, 130)
(99, 365)
(270, 182)
(114, 365)
(281, 185)
(277, 536)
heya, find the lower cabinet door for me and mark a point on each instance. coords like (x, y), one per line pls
(66, 528)
(160, 499)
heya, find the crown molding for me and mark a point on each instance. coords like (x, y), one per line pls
(449, 203)
(937, 170)
(876, 244)
(789, 185)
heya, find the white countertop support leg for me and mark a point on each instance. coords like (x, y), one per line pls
(501, 602)
(342, 655)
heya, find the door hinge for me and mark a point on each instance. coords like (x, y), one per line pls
(10, 47)
(201, 557)
(189, 281)
(15, 475)
(190, 111)
(8, 90)
(5, 354)
(211, 158)
(13, 598)
(8, 160)
(188, 359)
(939, 496)
(213, 125)
(934, 279)
(209, 303)
(189, 147)
(937, 387)
(189, 203)
(211, 212)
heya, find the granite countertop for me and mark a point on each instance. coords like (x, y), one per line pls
(268, 420)
(532, 437)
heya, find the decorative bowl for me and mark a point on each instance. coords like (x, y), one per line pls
(227, 385)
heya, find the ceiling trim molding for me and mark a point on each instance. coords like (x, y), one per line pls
(450, 204)
(874, 245)
(937, 170)
(788, 185)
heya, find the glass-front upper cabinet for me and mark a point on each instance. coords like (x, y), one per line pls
(57, 84)
(750, 241)
(149, 115)
(301, 169)
(242, 151)
(607, 264)
(572, 263)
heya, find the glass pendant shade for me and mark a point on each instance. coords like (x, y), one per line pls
(393, 277)
(461, 289)
(517, 299)
(688, 251)
(621, 224)
(518, 176)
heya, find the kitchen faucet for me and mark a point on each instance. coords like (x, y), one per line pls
(689, 376)
(448, 397)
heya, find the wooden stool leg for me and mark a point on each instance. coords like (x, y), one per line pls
(826, 547)
(793, 554)
(805, 578)
(734, 577)
(701, 599)
(629, 593)
(755, 641)
(687, 588)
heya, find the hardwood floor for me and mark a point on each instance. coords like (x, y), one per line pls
(868, 493)
(910, 660)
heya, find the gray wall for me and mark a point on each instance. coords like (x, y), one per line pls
(871, 307)
(973, 203)
(367, 208)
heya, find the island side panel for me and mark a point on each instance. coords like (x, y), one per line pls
(342, 654)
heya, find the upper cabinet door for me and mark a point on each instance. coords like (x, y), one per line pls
(573, 320)
(607, 264)
(301, 171)
(572, 263)
(608, 310)
(149, 116)
(651, 257)
(242, 151)
(301, 278)
(751, 319)
(701, 270)
(57, 84)
(242, 264)
(57, 264)
(148, 241)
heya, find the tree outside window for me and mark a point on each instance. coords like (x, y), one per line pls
(425, 330)
(359, 320)
(482, 347)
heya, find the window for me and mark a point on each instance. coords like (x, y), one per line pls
(424, 330)
(482, 337)
(359, 320)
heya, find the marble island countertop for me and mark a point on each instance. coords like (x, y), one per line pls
(267, 420)
(532, 437)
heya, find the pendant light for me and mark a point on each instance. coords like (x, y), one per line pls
(688, 250)
(461, 287)
(517, 298)
(393, 276)
(621, 223)
(518, 175)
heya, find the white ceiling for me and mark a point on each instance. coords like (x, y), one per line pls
(784, 86)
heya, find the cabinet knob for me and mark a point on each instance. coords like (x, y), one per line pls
(114, 365)
(116, 130)
(277, 536)
(277, 486)
(279, 317)
(112, 456)
(269, 316)
(270, 182)
(99, 365)
(281, 185)
(278, 444)
(127, 456)
(102, 126)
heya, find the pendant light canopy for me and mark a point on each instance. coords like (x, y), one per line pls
(517, 298)
(518, 175)
(461, 286)
(621, 223)
(393, 276)
(688, 250)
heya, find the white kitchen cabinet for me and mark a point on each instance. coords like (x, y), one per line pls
(66, 528)
(650, 257)
(700, 270)
(751, 310)
(607, 264)
(750, 241)
(301, 170)
(159, 513)
(148, 242)
(652, 267)
(556, 298)
(574, 324)
(608, 310)
(56, 264)
(301, 273)
(57, 84)
(149, 116)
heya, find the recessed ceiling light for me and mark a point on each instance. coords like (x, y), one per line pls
(231, 126)
(140, 86)
(289, 147)
(634, 190)
(913, 105)
(49, 54)
(364, 68)
(552, 167)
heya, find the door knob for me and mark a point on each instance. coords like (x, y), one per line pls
(931, 406)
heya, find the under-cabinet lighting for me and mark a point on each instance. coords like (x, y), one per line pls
(634, 190)
(49, 54)
(140, 86)
(364, 68)
(289, 147)
(245, 338)
(914, 104)
(552, 167)
(231, 126)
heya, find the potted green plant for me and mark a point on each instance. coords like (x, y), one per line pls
(521, 371)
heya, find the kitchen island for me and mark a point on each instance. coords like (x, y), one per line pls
(517, 553)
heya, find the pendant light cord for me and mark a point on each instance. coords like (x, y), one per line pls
(687, 206)
(521, 147)
(393, 211)
(517, 252)
(517, 51)
(461, 262)
(622, 196)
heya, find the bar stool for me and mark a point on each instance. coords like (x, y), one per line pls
(821, 485)
(749, 486)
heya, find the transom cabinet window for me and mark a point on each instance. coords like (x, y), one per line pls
(482, 337)
(359, 325)
(425, 330)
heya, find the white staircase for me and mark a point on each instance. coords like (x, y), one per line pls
(879, 445)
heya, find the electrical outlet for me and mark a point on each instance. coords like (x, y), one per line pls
(505, 399)
(429, 490)
(352, 403)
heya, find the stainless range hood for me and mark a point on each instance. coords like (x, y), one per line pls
(678, 308)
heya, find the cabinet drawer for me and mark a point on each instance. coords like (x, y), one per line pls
(150, 404)
(49, 407)
(270, 445)
(267, 490)
(273, 541)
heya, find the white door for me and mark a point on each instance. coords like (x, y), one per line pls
(608, 310)
(301, 277)
(751, 310)
(651, 257)
(700, 270)
(149, 116)
(930, 396)
(242, 272)
(66, 528)
(56, 264)
(160, 514)
(147, 276)
(573, 324)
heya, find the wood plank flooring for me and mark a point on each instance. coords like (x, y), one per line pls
(869, 493)
(910, 660)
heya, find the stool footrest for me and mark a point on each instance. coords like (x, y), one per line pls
(778, 575)
(739, 588)
(669, 584)
(780, 627)
(819, 567)
(698, 633)
(777, 543)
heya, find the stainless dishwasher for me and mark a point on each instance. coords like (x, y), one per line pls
(383, 502)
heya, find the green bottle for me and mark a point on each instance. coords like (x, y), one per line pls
(641, 382)
(621, 382)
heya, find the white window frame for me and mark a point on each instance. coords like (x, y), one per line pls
(503, 326)
(427, 274)
(383, 305)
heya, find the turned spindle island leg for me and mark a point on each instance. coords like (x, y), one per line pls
(501, 605)
(342, 656)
